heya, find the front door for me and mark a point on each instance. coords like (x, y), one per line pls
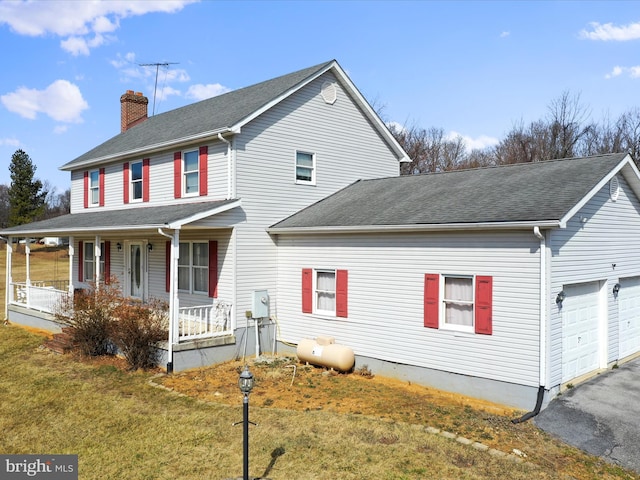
(136, 270)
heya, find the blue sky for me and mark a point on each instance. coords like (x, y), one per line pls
(473, 68)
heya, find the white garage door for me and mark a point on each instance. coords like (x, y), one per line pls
(580, 339)
(629, 316)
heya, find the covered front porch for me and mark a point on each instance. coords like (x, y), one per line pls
(176, 259)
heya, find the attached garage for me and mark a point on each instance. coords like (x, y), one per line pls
(581, 342)
(629, 316)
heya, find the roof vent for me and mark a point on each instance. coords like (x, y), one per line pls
(614, 188)
(329, 92)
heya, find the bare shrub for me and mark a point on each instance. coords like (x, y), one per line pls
(138, 329)
(90, 314)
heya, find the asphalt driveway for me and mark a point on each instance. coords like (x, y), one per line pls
(601, 416)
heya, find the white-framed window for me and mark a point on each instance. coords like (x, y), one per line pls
(191, 172)
(457, 302)
(325, 291)
(94, 187)
(305, 168)
(193, 267)
(136, 181)
(89, 259)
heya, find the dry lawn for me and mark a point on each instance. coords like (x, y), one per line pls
(312, 423)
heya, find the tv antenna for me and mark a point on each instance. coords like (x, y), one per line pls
(155, 88)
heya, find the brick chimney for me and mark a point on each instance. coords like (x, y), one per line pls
(133, 109)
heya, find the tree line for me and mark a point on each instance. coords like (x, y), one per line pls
(565, 132)
(26, 198)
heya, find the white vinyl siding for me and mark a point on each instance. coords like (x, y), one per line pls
(386, 299)
(264, 164)
(595, 246)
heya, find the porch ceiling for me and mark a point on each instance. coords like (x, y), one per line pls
(136, 218)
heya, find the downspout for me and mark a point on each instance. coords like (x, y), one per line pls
(71, 254)
(172, 302)
(543, 329)
(229, 166)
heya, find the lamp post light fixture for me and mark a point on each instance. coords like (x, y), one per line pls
(245, 382)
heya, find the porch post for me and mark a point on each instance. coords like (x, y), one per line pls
(27, 252)
(71, 253)
(8, 294)
(97, 253)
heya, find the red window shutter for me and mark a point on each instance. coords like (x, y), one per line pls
(167, 263)
(81, 261)
(101, 183)
(484, 305)
(145, 180)
(86, 189)
(213, 268)
(125, 182)
(307, 290)
(431, 300)
(342, 280)
(107, 261)
(203, 165)
(177, 174)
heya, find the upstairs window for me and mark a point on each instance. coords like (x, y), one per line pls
(94, 188)
(190, 172)
(136, 181)
(305, 168)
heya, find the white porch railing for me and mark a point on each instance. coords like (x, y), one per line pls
(45, 295)
(204, 321)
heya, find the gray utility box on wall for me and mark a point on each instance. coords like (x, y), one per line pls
(260, 304)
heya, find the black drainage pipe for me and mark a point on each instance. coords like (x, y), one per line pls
(536, 409)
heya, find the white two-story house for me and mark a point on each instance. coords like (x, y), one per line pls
(176, 206)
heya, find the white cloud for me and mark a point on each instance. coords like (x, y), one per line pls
(608, 31)
(82, 24)
(632, 72)
(10, 142)
(201, 92)
(480, 143)
(505, 34)
(61, 101)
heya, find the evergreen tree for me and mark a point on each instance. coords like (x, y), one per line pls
(26, 195)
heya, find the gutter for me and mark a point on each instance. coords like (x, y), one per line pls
(149, 149)
(543, 329)
(432, 227)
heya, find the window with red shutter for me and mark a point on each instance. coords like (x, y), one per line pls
(307, 290)
(484, 305)
(81, 261)
(101, 187)
(342, 297)
(203, 164)
(125, 183)
(431, 300)
(145, 180)
(213, 268)
(177, 174)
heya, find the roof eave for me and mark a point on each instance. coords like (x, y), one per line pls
(150, 149)
(438, 227)
(199, 216)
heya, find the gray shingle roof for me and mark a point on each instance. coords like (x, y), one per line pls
(125, 219)
(211, 115)
(528, 192)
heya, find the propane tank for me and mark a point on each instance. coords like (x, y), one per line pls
(331, 355)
